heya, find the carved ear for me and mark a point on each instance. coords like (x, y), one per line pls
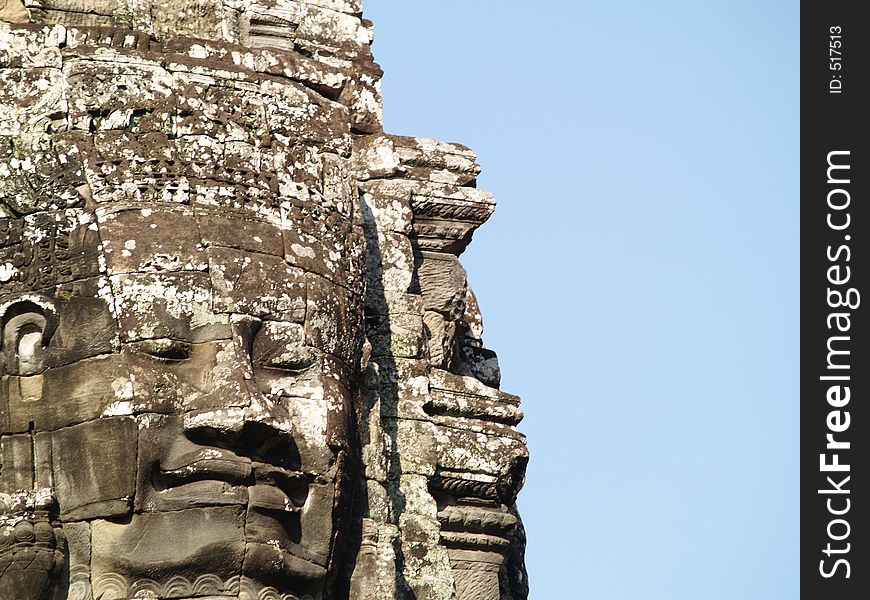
(27, 326)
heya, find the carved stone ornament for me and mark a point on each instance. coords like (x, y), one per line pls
(239, 357)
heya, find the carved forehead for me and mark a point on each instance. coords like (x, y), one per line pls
(186, 277)
(179, 176)
(46, 249)
(209, 138)
(211, 196)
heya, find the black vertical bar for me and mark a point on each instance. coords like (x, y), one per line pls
(835, 225)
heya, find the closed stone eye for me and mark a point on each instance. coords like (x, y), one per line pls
(296, 360)
(164, 349)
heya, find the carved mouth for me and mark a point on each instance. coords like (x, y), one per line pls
(476, 527)
(202, 465)
(278, 488)
(270, 488)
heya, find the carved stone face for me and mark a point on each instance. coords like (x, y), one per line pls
(181, 324)
(186, 194)
(190, 403)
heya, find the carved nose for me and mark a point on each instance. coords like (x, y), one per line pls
(215, 426)
(258, 428)
(238, 416)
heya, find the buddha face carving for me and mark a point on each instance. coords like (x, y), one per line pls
(180, 302)
(193, 419)
(189, 413)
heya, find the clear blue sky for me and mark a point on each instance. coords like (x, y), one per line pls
(639, 279)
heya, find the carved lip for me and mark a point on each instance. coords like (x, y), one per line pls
(270, 498)
(292, 486)
(270, 487)
(206, 464)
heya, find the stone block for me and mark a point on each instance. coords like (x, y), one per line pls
(16, 463)
(95, 468)
(386, 205)
(333, 320)
(43, 475)
(323, 243)
(399, 335)
(168, 545)
(389, 261)
(435, 161)
(167, 305)
(443, 282)
(78, 537)
(84, 389)
(374, 157)
(260, 285)
(239, 230)
(86, 325)
(150, 240)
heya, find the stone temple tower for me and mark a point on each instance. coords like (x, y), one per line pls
(239, 357)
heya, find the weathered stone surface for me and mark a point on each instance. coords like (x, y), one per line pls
(160, 551)
(65, 395)
(255, 284)
(14, 11)
(17, 460)
(167, 306)
(95, 468)
(239, 357)
(436, 161)
(135, 241)
(78, 538)
(241, 231)
(31, 548)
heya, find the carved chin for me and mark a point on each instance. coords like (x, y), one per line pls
(204, 547)
(272, 566)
